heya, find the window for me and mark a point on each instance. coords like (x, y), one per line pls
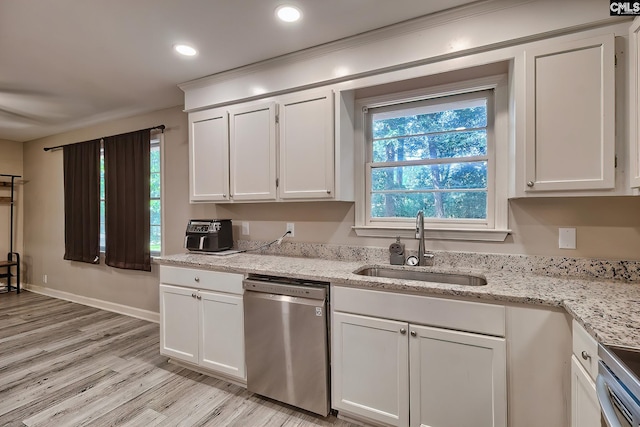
(435, 150)
(154, 199)
(155, 206)
(430, 155)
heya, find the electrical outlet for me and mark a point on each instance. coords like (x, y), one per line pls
(245, 228)
(290, 229)
(567, 238)
(44, 278)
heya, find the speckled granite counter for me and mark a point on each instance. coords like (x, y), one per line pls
(608, 309)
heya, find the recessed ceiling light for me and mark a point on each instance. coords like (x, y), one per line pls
(185, 50)
(288, 13)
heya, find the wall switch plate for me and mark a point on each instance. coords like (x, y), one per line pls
(44, 278)
(567, 238)
(245, 228)
(291, 229)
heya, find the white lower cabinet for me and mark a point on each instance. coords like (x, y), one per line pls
(402, 374)
(370, 368)
(585, 410)
(457, 378)
(202, 327)
(179, 325)
(222, 334)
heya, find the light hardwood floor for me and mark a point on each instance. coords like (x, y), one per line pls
(65, 364)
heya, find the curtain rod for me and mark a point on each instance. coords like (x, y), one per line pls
(161, 127)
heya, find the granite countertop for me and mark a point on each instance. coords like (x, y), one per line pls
(608, 309)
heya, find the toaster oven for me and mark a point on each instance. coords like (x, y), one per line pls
(208, 235)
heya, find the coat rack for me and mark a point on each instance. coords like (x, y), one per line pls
(13, 258)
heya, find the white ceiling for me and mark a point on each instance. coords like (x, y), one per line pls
(65, 64)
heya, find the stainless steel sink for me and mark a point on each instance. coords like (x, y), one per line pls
(423, 276)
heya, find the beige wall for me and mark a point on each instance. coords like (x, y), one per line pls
(11, 163)
(44, 214)
(606, 227)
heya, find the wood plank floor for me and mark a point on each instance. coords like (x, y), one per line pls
(65, 364)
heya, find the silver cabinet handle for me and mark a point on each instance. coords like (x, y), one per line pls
(414, 333)
(199, 297)
(224, 196)
(403, 331)
(197, 279)
(231, 196)
(193, 295)
(328, 191)
(585, 355)
(530, 184)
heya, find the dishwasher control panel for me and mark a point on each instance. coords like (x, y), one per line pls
(287, 286)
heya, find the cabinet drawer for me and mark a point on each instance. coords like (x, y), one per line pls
(585, 348)
(475, 317)
(202, 279)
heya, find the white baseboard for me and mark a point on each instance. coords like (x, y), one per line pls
(151, 316)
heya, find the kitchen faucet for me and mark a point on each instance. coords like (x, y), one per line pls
(420, 237)
(422, 256)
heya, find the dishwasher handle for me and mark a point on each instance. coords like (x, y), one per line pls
(261, 297)
(314, 292)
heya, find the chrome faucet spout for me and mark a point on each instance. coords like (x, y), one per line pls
(420, 236)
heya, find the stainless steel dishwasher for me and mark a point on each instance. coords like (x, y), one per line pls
(286, 341)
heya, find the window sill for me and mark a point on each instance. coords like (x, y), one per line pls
(434, 233)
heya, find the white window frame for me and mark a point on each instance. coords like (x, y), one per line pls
(156, 140)
(495, 227)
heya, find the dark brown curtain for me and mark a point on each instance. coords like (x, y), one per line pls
(126, 168)
(82, 201)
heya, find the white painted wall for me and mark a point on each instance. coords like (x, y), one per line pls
(44, 215)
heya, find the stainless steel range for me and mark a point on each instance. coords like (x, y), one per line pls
(618, 385)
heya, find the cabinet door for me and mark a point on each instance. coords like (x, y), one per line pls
(458, 379)
(634, 102)
(209, 156)
(179, 323)
(585, 409)
(253, 152)
(370, 375)
(222, 333)
(307, 147)
(570, 116)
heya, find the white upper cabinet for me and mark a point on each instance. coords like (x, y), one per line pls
(209, 156)
(570, 116)
(283, 148)
(634, 103)
(253, 152)
(307, 146)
